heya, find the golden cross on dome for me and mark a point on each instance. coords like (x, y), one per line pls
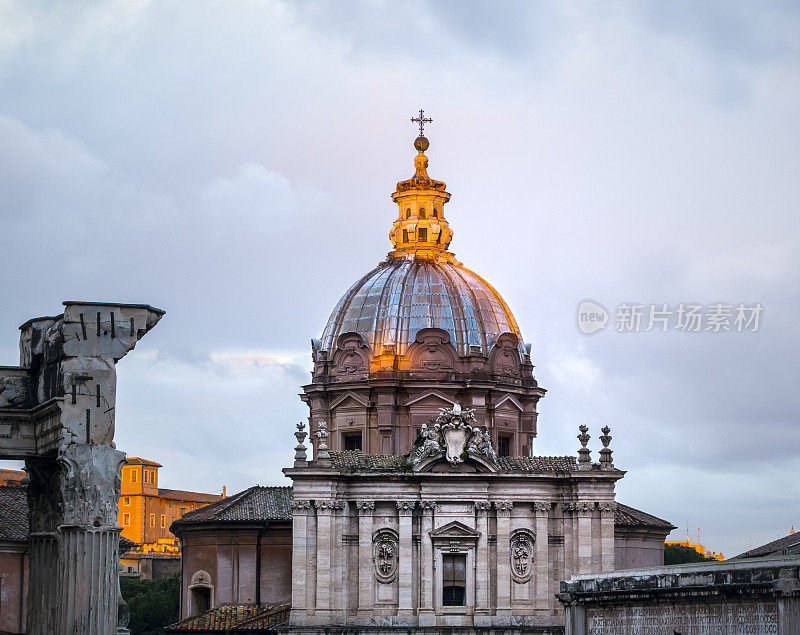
(421, 120)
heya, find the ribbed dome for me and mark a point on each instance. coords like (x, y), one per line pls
(402, 295)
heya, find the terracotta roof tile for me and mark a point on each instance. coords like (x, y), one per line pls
(254, 504)
(135, 460)
(13, 513)
(630, 517)
(233, 618)
(183, 495)
(353, 460)
(11, 477)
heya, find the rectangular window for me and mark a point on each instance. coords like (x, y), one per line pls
(503, 446)
(352, 441)
(126, 500)
(126, 519)
(152, 520)
(423, 234)
(133, 476)
(181, 511)
(163, 521)
(454, 579)
(152, 476)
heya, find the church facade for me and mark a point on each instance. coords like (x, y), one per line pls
(420, 504)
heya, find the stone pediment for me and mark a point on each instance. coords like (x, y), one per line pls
(455, 531)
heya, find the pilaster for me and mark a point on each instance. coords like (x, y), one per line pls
(482, 580)
(503, 558)
(366, 581)
(405, 511)
(426, 581)
(300, 511)
(322, 613)
(585, 510)
(338, 554)
(544, 597)
(607, 535)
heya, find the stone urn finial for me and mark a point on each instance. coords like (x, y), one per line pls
(584, 454)
(323, 455)
(606, 463)
(300, 457)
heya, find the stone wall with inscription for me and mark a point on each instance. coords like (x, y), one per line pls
(747, 597)
(711, 618)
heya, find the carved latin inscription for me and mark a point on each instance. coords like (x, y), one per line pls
(717, 618)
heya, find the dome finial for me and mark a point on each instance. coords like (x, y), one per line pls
(421, 120)
(421, 226)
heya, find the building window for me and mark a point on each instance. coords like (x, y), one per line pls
(163, 521)
(423, 234)
(126, 501)
(352, 441)
(126, 519)
(144, 476)
(152, 476)
(503, 446)
(181, 511)
(152, 520)
(454, 579)
(405, 235)
(408, 213)
(422, 213)
(435, 213)
(133, 476)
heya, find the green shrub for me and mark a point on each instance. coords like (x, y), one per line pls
(153, 603)
(678, 554)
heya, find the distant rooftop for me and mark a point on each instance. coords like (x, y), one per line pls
(782, 546)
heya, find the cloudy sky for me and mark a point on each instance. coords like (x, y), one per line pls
(231, 163)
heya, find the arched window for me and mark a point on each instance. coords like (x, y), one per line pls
(422, 213)
(408, 213)
(435, 213)
(201, 593)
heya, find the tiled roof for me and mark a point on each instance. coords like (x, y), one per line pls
(126, 544)
(352, 460)
(183, 495)
(11, 477)
(538, 463)
(787, 545)
(348, 460)
(233, 618)
(630, 517)
(13, 513)
(254, 504)
(135, 460)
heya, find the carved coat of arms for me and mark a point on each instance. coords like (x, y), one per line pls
(456, 435)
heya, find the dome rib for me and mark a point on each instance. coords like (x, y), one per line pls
(391, 303)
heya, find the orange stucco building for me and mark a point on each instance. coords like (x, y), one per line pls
(147, 511)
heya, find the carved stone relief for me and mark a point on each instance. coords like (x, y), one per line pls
(384, 555)
(522, 542)
(456, 435)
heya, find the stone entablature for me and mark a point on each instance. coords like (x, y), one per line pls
(747, 596)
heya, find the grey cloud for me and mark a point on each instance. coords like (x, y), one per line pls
(232, 165)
